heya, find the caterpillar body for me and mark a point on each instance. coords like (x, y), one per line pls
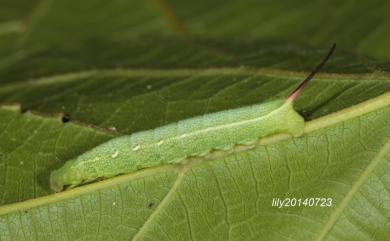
(193, 137)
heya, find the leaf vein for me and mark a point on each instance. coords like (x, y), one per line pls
(335, 215)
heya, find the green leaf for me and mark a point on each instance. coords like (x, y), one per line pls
(13, 18)
(356, 26)
(174, 53)
(343, 156)
(361, 26)
(95, 19)
(83, 72)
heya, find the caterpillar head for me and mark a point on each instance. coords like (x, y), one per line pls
(66, 176)
(57, 181)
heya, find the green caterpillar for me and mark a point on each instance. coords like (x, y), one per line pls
(188, 138)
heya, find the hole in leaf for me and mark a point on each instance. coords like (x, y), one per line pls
(23, 110)
(65, 118)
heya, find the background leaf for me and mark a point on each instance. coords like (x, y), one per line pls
(74, 74)
(360, 26)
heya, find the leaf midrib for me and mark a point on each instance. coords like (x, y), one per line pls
(268, 72)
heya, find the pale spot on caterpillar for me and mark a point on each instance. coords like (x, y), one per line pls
(160, 143)
(115, 154)
(112, 128)
(136, 147)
